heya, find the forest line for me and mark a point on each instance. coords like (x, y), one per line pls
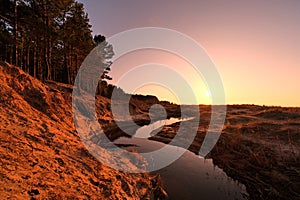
(49, 39)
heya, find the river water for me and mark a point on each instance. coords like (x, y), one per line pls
(190, 177)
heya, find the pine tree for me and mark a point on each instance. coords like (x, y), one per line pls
(48, 39)
(78, 41)
(107, 54)
(6, 26)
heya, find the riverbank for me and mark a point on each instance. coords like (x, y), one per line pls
(259, 147)
(190, 176)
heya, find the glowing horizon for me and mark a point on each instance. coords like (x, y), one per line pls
(254, 45)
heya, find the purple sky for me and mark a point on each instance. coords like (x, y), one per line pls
(254, 44)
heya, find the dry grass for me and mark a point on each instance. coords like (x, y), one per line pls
(259, 146)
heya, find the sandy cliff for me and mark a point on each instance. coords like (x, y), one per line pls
(42, 156)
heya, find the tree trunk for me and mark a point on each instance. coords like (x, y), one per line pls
(16, 31)
(35, 61)
(70, 66)
(11, 52)
(5, 53)
(28, 59)
(21, 52)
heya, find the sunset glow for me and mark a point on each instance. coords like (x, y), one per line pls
(254, 44)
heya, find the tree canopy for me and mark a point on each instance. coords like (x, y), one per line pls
(48, 39)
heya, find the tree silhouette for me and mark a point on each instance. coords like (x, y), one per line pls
(48, 39)
(107, 54)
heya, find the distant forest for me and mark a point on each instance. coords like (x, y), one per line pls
(48, 39)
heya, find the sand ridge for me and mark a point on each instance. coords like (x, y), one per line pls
(42, 156)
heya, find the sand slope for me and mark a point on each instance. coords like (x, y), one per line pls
(40, 153)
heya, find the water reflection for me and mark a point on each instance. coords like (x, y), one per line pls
(189, 177)
(152, 129)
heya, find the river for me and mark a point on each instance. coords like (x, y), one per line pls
(190, 176)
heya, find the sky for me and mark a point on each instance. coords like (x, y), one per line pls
(254, 45)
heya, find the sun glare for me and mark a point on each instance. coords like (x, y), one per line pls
(208, 94)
